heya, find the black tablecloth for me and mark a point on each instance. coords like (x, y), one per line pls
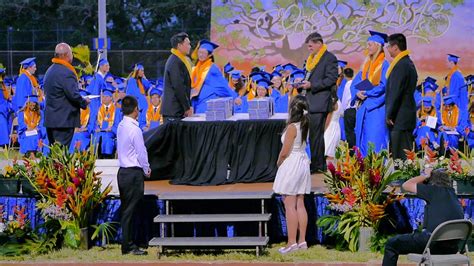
(214, 153)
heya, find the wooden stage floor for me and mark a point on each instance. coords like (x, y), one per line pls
(163, 186)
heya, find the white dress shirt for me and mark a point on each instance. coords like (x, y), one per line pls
(346, 96)
(130, 145)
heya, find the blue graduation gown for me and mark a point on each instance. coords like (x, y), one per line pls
(97, 85)
(24, 88)
(214, 86)
(244, 107)
(281, 104)
(370, 117)
(85, 136)
(458, 89)
(134, 90)
(108, 138)
(340, 93)
(5, 109)
(30, 143)
(452, 139)
(422, 131)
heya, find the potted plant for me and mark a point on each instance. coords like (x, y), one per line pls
(356, 194)
(462, 171)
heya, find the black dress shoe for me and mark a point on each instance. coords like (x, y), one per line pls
(136, 251)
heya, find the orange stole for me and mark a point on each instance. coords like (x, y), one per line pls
(108, 116)
(452, 120)
(198, 76)
(153, 116)
(31, 118)
(85, 115)
(374, 69)
(140, 86)
(66, 64)
(6, 92)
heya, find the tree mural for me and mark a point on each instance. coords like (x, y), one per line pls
(258, 28)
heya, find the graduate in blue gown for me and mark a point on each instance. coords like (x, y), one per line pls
(370, 117)
(341, 84)
(81, 139)
(5, 110)
(207, 81)
(469, 131)
(239, 87)
(456, 86)
(26, 84)
(281, 103)
(108, 117)
(153, 114)
(138, 85)
(31, 132)
(452, 126)
(98, 83)
(422, 132)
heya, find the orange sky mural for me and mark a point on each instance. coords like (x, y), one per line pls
(259, 32)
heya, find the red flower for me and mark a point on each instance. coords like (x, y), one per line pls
(332, 169)
(76, 181)
(20, 215)
(349, 195)
(70, 190)
(375, 177)
(80, 173)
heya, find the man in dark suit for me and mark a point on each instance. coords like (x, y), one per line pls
(319, 84)
(176, 102)
(63, 101)
(400, 106)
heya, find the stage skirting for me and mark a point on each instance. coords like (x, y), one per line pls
(214, 153)
(408, 215)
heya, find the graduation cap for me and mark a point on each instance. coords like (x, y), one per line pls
(32, 98)
(228, 68)
(277, 68)
(2, 70)
(342, 63)
(8, 81)
(428, 86)
(262, 68)
(469, 79)
(289, 67)
(430, 80)
(207, 45)
(28, 62)
(109, 90)
(155, 91)
(103, 61)
(448, 100)
(298, 73)
(377, 37)
(453, 58)
(266, 75)
(256, 76)
(427, 101)
(236, 74)
(84, 92)
(276, 74)
(138, 66)
(263, 82)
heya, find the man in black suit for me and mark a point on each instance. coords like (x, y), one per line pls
(320, 83)
(400, 106)
(63, 101)
(177, 81)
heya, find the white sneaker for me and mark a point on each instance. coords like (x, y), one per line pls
(285, 250)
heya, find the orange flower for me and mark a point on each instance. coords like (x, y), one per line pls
(334, 198)
(61, 196)
(20, 216)
(431, 155)
(411, 155)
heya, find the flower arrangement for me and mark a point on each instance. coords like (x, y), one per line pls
(356, 194)
(15, 232)
(70, 190)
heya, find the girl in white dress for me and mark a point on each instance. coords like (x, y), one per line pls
(293, 178)
(332, 133)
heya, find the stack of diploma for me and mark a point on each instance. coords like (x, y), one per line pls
(261, 108)
(219, 109)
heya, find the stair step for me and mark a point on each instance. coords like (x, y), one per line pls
(190, 218)
(209, 241)
(215, 195)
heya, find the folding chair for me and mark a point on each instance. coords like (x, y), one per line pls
(448, 231)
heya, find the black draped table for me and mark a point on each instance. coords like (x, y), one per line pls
(215, 153)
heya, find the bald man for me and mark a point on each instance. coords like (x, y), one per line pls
(63, 101)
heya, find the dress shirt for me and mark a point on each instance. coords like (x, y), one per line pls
(131, 148)
(346, 96)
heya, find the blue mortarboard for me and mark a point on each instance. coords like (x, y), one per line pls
(228, 67)
(289, 67)
(266, 75)
(2, 70)
(138, 66)
(208, 45)
(28, 62)
(453, 58)
(256, 76)
(469, 78)
(427, 101)
(277, 68)
(276, 74)
(298, 73)
(103, 61)
(341, 63)
(430, 80)
(156, 91)
(263, 82)
(447, 100)
(8, 81)
(377, 37)
(262, 68)
(32, 98)
(236, 74)
(109, 90)
(428, 86)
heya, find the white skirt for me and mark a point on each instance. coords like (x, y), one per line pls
(293, 176)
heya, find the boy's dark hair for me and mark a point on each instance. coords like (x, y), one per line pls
(399, 40)
(440, 177)
(178, 38)
(129, 103)
(349, 72)
(314, 37)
